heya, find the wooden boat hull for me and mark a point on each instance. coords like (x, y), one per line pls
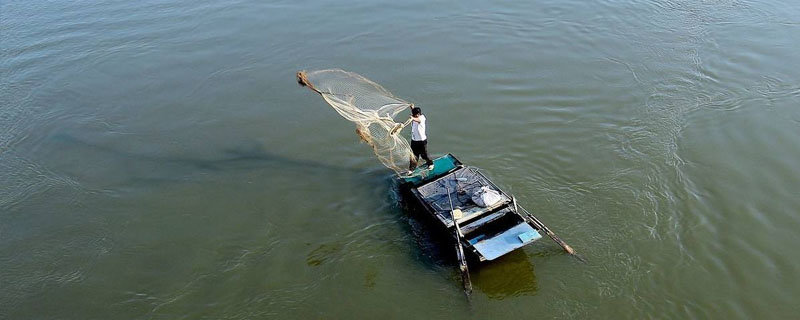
(490, 230)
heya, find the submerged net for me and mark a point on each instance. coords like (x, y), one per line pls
(371, 107)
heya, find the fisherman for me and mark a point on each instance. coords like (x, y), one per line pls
(419, 141)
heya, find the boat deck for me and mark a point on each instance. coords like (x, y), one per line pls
(459, 186)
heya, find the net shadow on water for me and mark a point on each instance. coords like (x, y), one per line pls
(243, 155)
(119, 168)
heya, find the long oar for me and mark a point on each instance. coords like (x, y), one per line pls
(540, 225)
(462, 260)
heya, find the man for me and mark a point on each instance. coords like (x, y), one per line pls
(419, 141)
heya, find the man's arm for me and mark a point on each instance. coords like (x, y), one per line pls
(416, 119)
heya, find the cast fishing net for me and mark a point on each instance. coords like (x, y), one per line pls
(371, 107)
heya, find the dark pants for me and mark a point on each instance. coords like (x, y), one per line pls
(420, 149)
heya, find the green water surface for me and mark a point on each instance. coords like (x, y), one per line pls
(159, 161)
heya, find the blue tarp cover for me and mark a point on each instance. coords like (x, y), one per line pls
(507, 241)
(440, 166)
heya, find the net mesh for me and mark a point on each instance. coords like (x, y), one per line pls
(371, 107)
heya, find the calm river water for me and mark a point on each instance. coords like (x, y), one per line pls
(158, 160)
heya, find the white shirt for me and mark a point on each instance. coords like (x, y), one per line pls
(418, 129)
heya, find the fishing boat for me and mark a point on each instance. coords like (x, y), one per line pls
(460, 199)
(480, 216)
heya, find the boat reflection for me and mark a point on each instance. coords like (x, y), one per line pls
(509, 276)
